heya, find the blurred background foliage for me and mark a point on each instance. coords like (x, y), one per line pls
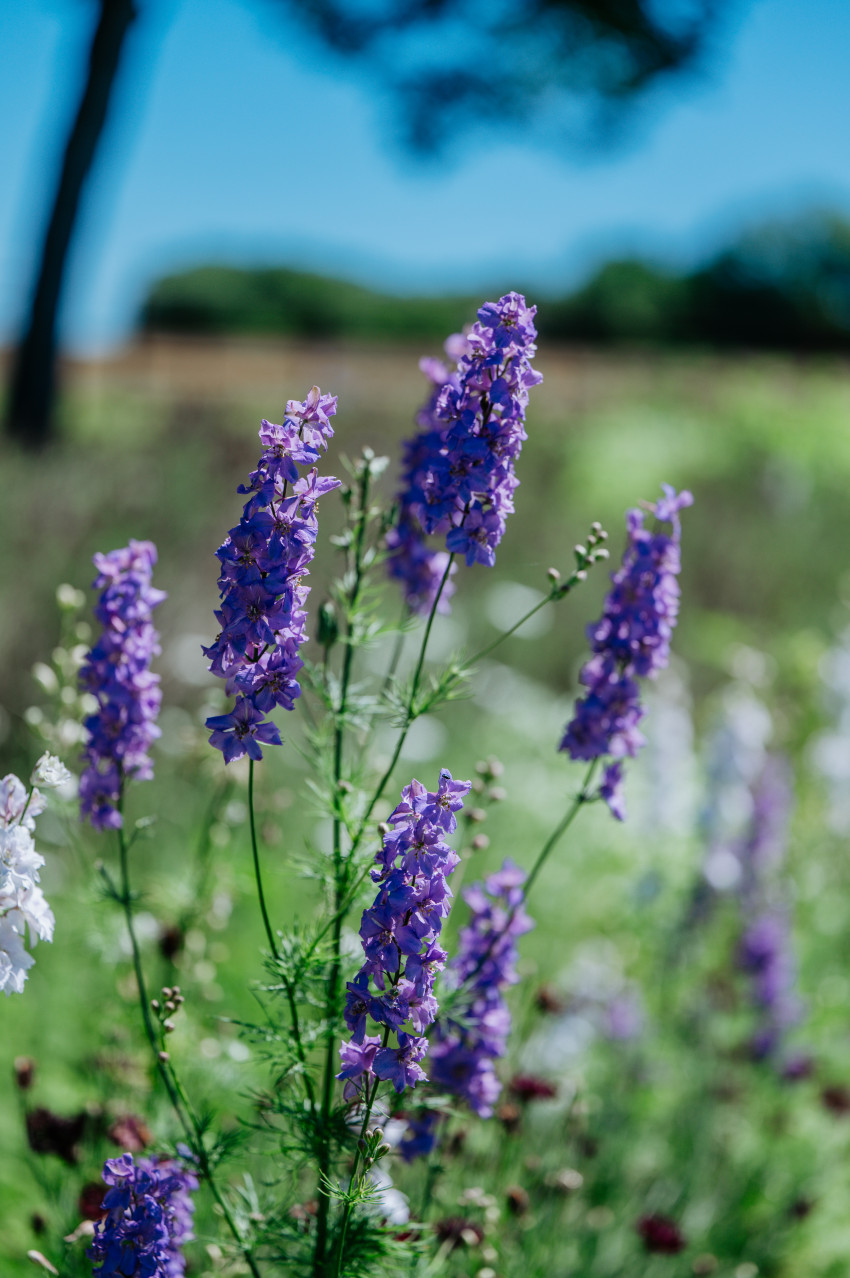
(783, 285)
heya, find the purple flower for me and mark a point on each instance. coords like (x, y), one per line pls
(117, 672)
(148, 1219)
(400, 1065)
(241, 731)
(630, 640)
(458, 474)
(394, 987)
(464, 1047)
(263, 561)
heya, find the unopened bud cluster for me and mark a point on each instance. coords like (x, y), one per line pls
(170, 1001)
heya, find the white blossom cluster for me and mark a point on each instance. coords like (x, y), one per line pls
(22, 903)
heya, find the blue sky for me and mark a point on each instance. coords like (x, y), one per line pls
(233, 137)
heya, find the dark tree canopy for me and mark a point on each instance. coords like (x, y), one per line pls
(572, 65)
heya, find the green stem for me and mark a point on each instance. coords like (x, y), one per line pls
(275, 951)
(410, 714)
(556, 593)
(346, 1215)
(176, 1094)
(261, 896)
(561, 828)
(340, 886)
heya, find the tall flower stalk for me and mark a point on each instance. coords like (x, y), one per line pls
(263, 562)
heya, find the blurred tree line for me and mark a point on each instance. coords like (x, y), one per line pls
(782, 286)
(578, 65)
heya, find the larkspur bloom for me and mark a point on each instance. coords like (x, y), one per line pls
(148, 1218)
(631, 640)
(458, 476)
(22, 905)
(50, 772)
(263, 562)
(465, 1047)
(394, 988)
(765, 951)
(117, 673)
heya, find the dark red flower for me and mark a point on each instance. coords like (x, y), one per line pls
(836, 1099)
(130, 1133)
(660, 1234)
(528, 1087)
(90, 1203)
(459, 1230)
(48, 1133)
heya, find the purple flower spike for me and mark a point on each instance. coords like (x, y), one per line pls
(463, 1051)
(263, 561)
(117, 672)
(458, 475)
(148, 1218)
(394, 987)
(630, 640)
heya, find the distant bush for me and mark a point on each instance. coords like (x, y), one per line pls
(784, 286)
(224, 299)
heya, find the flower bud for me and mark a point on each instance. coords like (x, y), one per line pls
(24, 1072)
(328, 629)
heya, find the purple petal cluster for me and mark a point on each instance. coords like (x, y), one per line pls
(117, 672)
(394, 988)
(149, 1218)
(263, 563)
(765, 951)
(631, 640)
(765, 954)
(459, 475)
(464, 1048)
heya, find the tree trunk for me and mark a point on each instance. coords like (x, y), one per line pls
(29, 412)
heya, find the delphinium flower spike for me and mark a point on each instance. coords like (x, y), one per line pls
(465, 1044)
(399, 934)
(765, 951)
(459, 474)
(631, 640)
(148, 1218)
(117, 672)
(263, 562)
(22, 904)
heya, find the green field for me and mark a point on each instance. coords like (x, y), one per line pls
(677, 1120)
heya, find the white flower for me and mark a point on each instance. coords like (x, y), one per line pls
(14, 960)
(14, 805)
(18, 855)
(22, 903)
(51, 772)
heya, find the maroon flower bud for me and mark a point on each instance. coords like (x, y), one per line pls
(528, 1087)
(660, 1234)
(510, 1116)
(459, 1231)
(48, 1133)
(517, 1200)
(24, 1072)
(836, 1099)
(90, 1203)
(130, 1133)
